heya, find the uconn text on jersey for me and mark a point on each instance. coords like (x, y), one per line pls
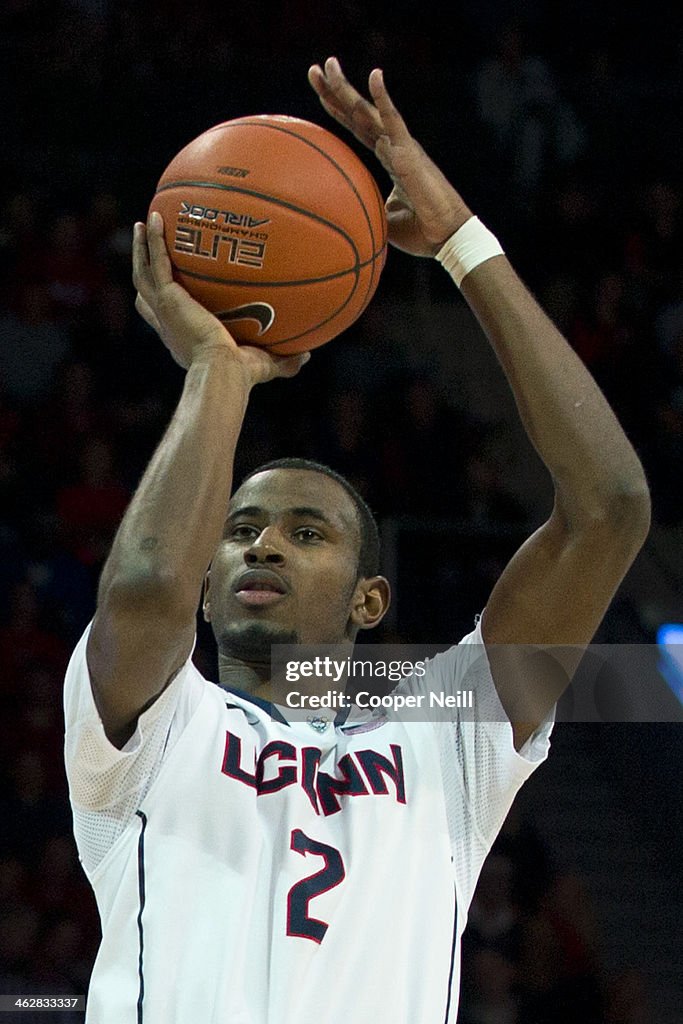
(363, 773)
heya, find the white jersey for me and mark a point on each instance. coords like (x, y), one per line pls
(248, 870)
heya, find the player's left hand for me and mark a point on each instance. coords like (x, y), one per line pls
(423, 209)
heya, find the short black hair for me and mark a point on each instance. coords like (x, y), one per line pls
(368, 555)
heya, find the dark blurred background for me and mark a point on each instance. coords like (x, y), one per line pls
(561, 126)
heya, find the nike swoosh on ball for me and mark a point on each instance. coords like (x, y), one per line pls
(262, 312)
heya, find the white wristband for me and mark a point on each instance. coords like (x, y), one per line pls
(471, 245)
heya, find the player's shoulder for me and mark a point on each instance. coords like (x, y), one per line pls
(185, 689)
(466, 657)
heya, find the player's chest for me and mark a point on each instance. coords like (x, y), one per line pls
(383, 779)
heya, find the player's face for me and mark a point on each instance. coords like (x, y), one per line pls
(286, 570)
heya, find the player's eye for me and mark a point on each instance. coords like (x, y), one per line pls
(243, 531)
(308, 535)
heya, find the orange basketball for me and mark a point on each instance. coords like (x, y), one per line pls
(277, 227)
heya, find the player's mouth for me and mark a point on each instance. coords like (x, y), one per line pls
(257, 588)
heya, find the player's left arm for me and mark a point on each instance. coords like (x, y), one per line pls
(557, 587)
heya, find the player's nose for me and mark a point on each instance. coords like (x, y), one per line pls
(266, 549)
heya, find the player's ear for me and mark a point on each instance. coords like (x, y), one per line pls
(206, 603)
(371, 600)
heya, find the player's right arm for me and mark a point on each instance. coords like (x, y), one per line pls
(148, 593)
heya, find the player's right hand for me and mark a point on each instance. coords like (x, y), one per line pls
(186, 328)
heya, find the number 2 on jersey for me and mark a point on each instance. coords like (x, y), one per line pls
(299, 921)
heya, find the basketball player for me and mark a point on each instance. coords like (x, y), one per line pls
(251, 868)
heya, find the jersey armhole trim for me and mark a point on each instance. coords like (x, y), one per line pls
(141, 903)
(454, 948)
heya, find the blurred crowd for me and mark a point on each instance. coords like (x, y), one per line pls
(562, 145)
(533, 948)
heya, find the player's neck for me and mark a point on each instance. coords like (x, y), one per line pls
(253, 678)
